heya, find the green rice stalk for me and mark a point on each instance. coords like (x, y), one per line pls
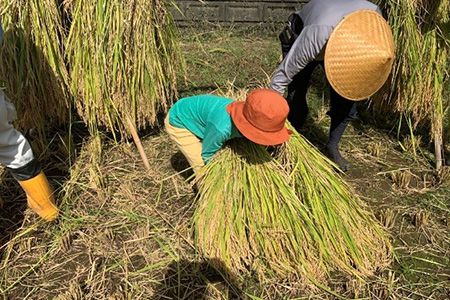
(123, 57)
(354, 242)
(32, 64)
(249, 218)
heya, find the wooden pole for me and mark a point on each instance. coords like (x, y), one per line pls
(138, 143)
(438, 150)
(438, 141)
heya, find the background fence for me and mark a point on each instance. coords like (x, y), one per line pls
(249, 12)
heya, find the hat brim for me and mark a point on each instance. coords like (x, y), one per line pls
(235, 109)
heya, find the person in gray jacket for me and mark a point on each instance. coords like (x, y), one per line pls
(352, 42)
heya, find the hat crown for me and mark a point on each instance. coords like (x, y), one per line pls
(266, 110)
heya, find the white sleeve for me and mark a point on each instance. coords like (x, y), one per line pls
(15, 151)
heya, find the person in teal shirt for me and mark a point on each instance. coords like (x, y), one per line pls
(200, 125)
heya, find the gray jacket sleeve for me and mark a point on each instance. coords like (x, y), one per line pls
(305, 49)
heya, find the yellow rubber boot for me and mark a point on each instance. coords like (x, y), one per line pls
(40, 196)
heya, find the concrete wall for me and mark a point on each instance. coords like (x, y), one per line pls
(248, 12)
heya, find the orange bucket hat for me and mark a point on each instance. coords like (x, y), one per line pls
(261, 117)
(359, 55)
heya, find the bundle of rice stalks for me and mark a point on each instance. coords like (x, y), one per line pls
(421, 32)
(123, 58)
(288, 217)
(354, 242)
(285, 215)
(249, 218)
(32, 64)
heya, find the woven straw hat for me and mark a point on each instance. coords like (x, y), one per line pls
(359, 55)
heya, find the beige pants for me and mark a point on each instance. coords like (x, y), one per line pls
(189, 144)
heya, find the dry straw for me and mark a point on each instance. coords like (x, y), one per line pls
(123, 60)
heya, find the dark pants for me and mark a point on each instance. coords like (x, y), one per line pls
(342, 110)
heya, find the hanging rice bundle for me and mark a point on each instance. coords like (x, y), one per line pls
(354, 241)
(123, 58)
(421, 32)
(249, 219)
(32, 64)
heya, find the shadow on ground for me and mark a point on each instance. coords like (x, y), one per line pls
(190, 280)
(180, 164)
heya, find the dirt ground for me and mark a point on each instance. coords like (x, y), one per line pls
(124, 231)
